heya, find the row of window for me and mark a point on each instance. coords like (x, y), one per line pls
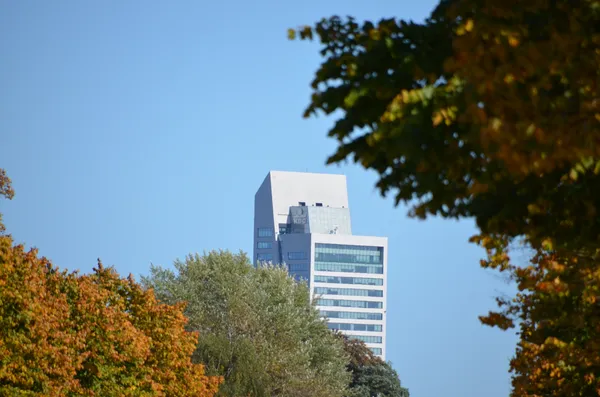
(297, 255)
(348, 253)
(367, 339)
(349, 303)
(264, 245)
(347, 258)
(348, 291)
(265, 232)
(352, 315)
(264, 257)
(298, 267)
(329, 267)
(348, 280)
(350, 249)
(347, 268)
(355, 327)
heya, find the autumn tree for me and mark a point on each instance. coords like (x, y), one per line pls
(257, 326)
(371, 376)
(438, 110)
(488, 110)
(7, 191)
(65, 334)
(94, 335)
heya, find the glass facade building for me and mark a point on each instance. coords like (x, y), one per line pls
(302, 221)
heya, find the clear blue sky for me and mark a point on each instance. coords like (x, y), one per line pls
(138, 132)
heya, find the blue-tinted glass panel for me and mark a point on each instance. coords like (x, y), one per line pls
(348, 258)
(264, 257)
(338, 253)
(264, 245)
(348, 291)
(352, 315)
(355, 327)
(297, 255)
(348, 280)
(347, 268)
(298, 267)
(349, 303)
(367, 339)
(376, 350)
(265, 232)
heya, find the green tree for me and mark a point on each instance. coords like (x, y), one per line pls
(371, 376)
(490, 110)
(257, 327)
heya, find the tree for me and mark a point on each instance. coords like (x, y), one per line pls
(487, 110)
(371, 376)
(257, 326)
(491, 110)
(7, 191)
(65, 334)
(556, 311)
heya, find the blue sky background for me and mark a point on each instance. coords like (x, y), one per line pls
(138, 132)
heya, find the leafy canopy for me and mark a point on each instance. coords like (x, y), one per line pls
(257, 326)
(556, 312)
(488, 109)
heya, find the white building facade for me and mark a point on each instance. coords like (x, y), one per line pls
(302, 220)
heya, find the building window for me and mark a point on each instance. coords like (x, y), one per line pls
(297, 255)
(352, 315)
(302, 203)
(265, 232)
(348, 258)
(263, 257)
(319, 204)
(367, 339)
(348, 291)
(338, 253)
(349, 303)
(348, 280)
(298, 267)
(264, 245)
(376, 350)
(347, 268)
(355, 327)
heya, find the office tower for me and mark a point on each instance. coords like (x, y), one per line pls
(302, 220)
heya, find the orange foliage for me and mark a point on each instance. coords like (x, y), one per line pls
(93, 335)
(558, 315)
(534, 65)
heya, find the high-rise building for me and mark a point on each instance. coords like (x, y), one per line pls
(302, 220)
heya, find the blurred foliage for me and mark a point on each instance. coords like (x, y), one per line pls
(488, 110)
